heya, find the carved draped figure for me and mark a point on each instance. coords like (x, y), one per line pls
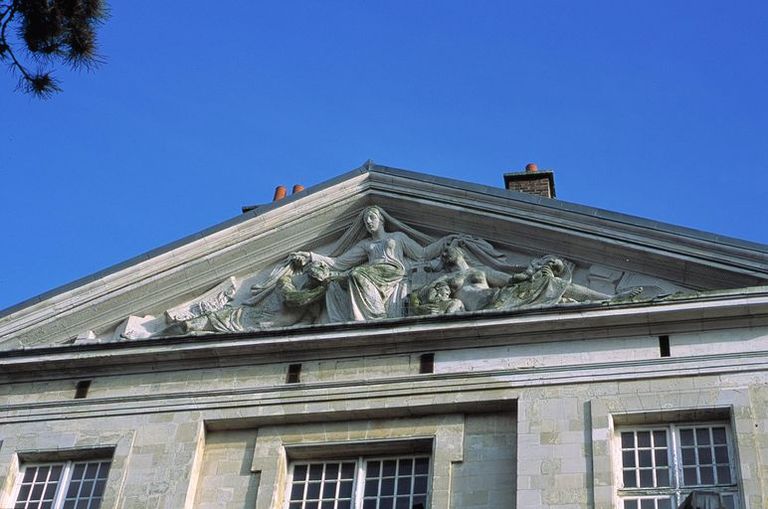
(376, 286)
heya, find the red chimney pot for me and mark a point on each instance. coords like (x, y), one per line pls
(280, 193)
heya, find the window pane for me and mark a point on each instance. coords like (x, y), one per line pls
(316, 471)
(630, 504)
(629, 479)
(648, 504)
(313, 490)
(347, 470)
(345, 489)
(372, 469)
(29, 474)
(420, 484)
(329, 489)
(689, 477)
(646, 478)
(659, 438)
(723, 475)
(74, 488)
(662, 477)
(686, 437)
(332, 471)
(86, 488)
(78, 471)
(628, 459)
(24, 492)
(718, 435)
(299, 472)
(422, 465)
(55, 473)
(643, 438)
(644, 458)
(702, 436)
(91, 470)
(721, 454)
(50, 491)
(371, 488)
(405, 467)
(661, 457)
(388, 467)
(37, 492)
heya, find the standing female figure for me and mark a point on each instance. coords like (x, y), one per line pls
(375, 268)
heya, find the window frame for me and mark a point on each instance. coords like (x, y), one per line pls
(360, 475)
(63, 482)
(677, 490)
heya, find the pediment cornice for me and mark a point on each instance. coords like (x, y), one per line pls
(317, 216)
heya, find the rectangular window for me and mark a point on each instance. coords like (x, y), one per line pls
(368, 483)
(661, 465)
(63, 485)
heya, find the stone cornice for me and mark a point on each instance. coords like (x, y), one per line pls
(712, 311)
(161, 278)
(406, 395)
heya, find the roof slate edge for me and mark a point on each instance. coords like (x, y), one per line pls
(368, 167)
(586, 210)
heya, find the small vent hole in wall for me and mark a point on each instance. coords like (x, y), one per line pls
(294, 374)
(664, 346)
(427, 363)
(81, 389)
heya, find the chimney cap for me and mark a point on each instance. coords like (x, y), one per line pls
(531, 168)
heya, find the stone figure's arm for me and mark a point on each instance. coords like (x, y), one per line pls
(352, 258)
(415, 251)
(497, 279)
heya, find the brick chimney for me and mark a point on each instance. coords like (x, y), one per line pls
(531, 181)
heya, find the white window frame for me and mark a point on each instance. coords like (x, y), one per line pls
(359, 479)
(677, 491)
(63, 483)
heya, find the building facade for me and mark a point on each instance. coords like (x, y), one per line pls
(392, 340)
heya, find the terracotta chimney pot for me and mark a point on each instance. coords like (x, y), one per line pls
(297, 188)
(280, 193)
(531, 168)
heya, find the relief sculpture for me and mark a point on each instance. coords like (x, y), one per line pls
(369, 275)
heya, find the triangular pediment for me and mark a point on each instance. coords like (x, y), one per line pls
(607, 253)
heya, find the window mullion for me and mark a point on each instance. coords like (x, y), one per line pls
(359, 490)
(677, 460)
(61, 492)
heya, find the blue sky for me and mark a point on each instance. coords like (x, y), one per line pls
(653, 108)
